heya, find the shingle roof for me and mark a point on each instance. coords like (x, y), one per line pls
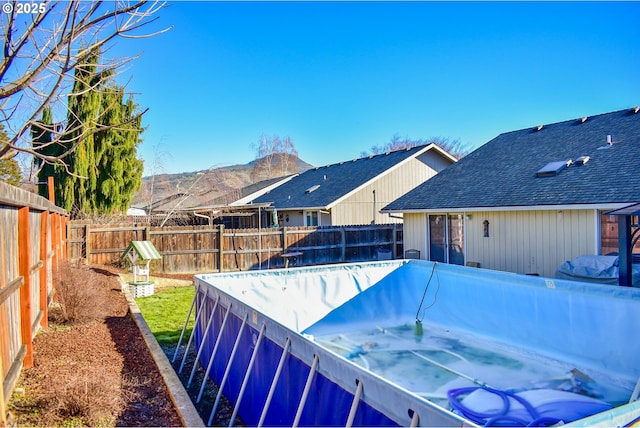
(334, 181)
(256, 187)
(502, 172)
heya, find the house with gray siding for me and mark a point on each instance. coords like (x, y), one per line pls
(530, 199)
(353, 192)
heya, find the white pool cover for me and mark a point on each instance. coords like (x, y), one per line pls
(415, 343)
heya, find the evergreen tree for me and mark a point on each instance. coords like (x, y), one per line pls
(120, 171)
(83, 112)
(103, 172)
(44, 143)
(9, 168)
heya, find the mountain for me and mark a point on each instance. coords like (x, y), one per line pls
(208, 187)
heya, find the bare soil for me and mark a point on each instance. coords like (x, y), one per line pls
(97, 372)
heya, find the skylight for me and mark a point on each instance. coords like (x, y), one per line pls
(312, 188)
(553, 168)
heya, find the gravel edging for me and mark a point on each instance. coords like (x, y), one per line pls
(179, 396)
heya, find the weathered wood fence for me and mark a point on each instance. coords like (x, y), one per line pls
(32, 246)
(192, 249)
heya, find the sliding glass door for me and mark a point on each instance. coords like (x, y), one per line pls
(446, 238)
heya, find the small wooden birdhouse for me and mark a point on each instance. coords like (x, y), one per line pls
(140, 254)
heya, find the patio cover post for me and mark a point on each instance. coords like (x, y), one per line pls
(627, 232)
(625, 257)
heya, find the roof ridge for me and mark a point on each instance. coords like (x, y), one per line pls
(371, 156)
(582, 119)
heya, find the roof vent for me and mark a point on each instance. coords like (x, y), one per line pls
(312, 188)
(582, 160)
(553, 168)
(635, 109)
(610, 143)
(583, 119)
(324, 177)
(539, 127)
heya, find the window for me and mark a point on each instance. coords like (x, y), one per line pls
(553, 168)
(311, 218)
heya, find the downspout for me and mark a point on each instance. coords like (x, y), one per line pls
(373, 219)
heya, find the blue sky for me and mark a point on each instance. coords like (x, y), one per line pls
(340, 77)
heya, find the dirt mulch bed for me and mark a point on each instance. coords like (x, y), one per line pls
(97, 371)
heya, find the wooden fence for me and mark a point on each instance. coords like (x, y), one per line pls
(216, 249)
(32, 246)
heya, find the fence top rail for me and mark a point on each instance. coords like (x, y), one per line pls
(15, 197)
(113, 229)
(154, 230)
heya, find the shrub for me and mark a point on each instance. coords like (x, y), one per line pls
(75, 295)
(93, 399)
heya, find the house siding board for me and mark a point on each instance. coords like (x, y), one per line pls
(434, 161)
(528, 241)
(358, 208)
(296, 218)
(417, 238)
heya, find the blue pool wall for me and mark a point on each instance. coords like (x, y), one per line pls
(321, 408)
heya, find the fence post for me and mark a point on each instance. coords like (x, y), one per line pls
(55, 242)
(24, 252)
(65, 237)
(44, 295)
(87, 247)
(146, 234)
(52, 195)
(284, 240)
(220, 247)
(343, 244)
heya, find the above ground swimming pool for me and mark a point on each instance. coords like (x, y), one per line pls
(414, 343)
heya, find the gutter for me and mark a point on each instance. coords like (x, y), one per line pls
(603, 206)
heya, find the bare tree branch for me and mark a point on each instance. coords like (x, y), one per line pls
(41, 51)
(275, 158)
(454, 147)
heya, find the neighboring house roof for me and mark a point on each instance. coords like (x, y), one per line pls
(136, 212)
(155, 205)
(323, 187)
(503, 172)
(253, 191)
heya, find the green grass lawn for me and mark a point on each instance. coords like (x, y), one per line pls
(166, 311)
